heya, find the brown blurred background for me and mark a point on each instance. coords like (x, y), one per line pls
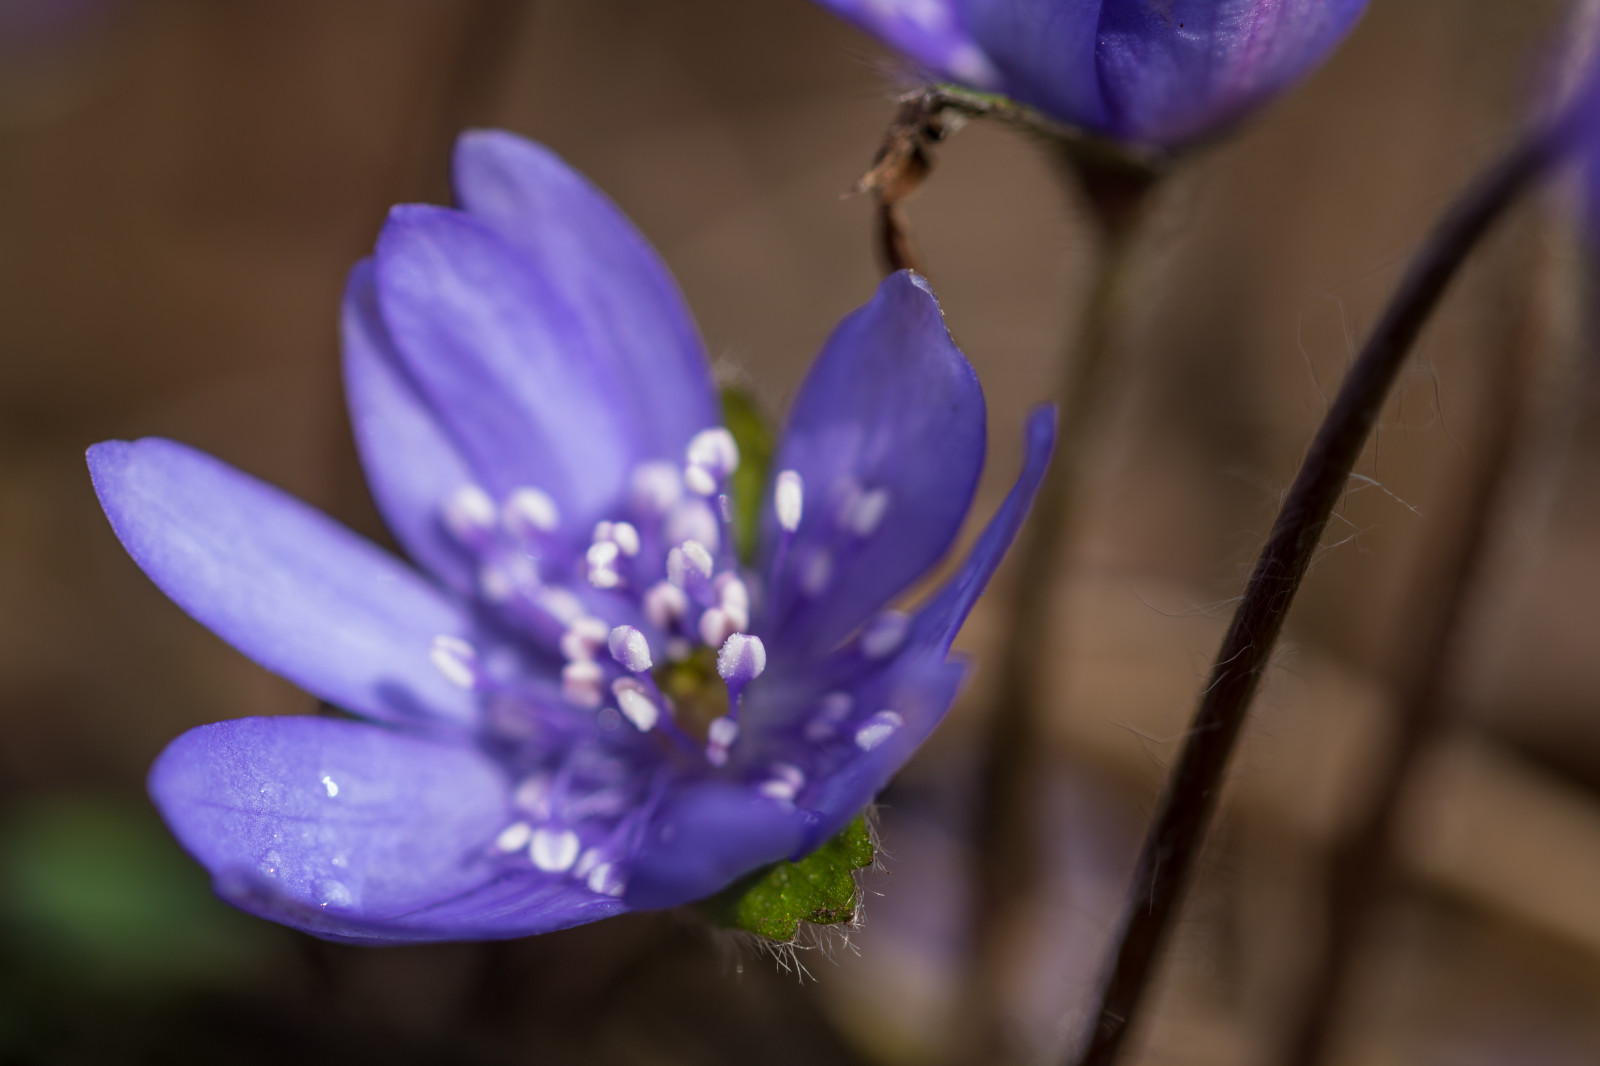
(185, 184)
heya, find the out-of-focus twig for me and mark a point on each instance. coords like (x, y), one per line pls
(932, 115)
(1189, 801)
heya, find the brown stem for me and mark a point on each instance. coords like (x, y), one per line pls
(1190, 799)
(1006, 838)
(1360, 868)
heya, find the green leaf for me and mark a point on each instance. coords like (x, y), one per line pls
(820, 888)
(754, 437)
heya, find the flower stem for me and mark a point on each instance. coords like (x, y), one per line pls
(1360, 867)
(1005, 829)
(1190, 799)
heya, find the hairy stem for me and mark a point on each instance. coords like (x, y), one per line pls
(1005, 826)
(1186, 808)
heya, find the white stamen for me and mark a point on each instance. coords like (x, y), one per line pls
(693, 519)
(883, 635)
(529, 512)
(630, 648)
(602, 881)
(469, 514)
(816, 572)
(866, 512)
(560, 604)
(698, 556)
(584, 637)
(699, 481)
(583, 683)
(456, 660)
(731, 590)
(834, 708)
(722, 732)
(586, 862)
(715, 627)
(533, 796)
(496, 584)
(657, 485)
(714, 452)
(788, 498)
(742, 659)
(602, 553)
(636, 704)
(514, 837)
(664, 603)
(785, 784)
(602, 559)
(877, 729)
(625, 537)
(554, 850)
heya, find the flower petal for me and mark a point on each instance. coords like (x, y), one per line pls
(411, 463)
(1175, 73)
(282, 582)
(917, 684)
(891, 409)
(589, 253)
(705, 837)
(504, 360)
(350, 831)
(1045, 53)
(928, 31)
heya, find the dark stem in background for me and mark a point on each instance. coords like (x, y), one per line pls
(1005, 829)
(1360, 869)
(1190, 799)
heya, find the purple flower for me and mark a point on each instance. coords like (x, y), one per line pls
(584, 703)
(1160, 72)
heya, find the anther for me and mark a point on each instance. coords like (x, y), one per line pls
(883, 635)
(866, 511)
(514, 837)
(630, 648)
(559, 604)
(583, 683)
(664, 603)
(456, 659)
(784, 784)
(554, 850)
(602, 559)
(693, 519)
(816, 572)
(716, 626)
(788, 498)
(834, 708)
(742, 659)
(528, 513)
(720, 736)
(689, 563)
(712, 455)
(635, 703)
(877, 729)
(469, 515)
(584, 637)
(657, 485)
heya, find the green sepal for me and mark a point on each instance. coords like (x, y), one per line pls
(753, 435)
(820, 888)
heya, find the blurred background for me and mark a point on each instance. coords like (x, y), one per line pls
(185, 184)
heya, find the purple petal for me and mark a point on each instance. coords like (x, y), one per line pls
(411, 463)
(1177, 72)
(504, 360)
(928, 31)
(603, 268)
(918, 683)
(705, 837)
(282, 582)
(1045, 51)
(918, 691)
(355, 821)
(891, 408)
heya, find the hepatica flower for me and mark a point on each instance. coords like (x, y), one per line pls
(583, 700)
(1160, 72)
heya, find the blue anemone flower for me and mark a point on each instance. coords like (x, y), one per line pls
(1160, 72)
(583, 701)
